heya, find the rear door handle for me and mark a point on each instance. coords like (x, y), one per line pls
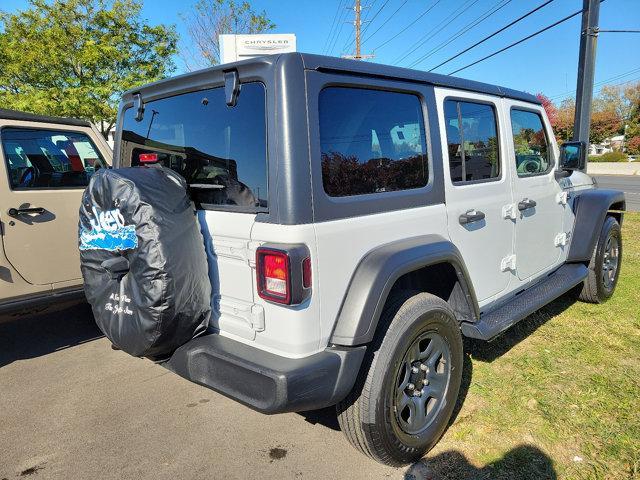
(526, 203)
(15, 212)
(471, 216)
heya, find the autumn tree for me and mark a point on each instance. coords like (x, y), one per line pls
(75, 57)
(563, 129)
(211, 18)
(549, 108)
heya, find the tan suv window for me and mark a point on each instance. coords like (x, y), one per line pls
(49, 159)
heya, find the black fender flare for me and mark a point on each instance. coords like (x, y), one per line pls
(590, 209)
(376, 274)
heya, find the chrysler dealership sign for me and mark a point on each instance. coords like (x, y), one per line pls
(240, 47)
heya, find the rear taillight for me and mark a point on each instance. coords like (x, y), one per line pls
(274, 275)
(306, 272)
(284, 275)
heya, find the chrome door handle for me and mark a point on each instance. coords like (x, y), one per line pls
(15, 212)
(525, 204)
(471, 216)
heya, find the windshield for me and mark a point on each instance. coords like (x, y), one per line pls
(220, 150)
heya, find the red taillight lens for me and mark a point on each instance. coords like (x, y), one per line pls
(148, 157)
(306, 272)
(274, 275)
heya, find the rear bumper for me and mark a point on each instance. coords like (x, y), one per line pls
(266, 382)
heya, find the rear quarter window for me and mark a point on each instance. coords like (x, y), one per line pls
(372, 141)
(221, 151)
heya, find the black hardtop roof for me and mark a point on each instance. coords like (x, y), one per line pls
(343, 65)
(31, 117)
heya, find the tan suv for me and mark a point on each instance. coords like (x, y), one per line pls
(45, 164)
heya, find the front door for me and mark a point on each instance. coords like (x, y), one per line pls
(477, 187)
(536, 192)
(43, 174)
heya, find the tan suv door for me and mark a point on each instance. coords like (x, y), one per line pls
(43, 172)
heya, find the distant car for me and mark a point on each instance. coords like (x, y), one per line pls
(45, 164)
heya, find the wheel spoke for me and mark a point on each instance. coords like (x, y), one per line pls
(437, 385)
(402, 399)
(436, 351)
(416, 413)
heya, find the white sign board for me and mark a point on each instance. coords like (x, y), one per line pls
(240, 47)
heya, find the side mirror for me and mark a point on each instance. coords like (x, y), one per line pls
(573, 156)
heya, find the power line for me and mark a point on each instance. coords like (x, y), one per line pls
(601, 82)
(498, 6)
(385, 22)
(443, 24)
(618, 31)
(333, 24)
(341, 21)
(518, 42)
(407, 27)
(531, 12)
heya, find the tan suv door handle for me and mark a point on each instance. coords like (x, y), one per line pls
(15, 212)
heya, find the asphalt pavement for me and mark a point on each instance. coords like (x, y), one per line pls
(73, 408)
(630, 184)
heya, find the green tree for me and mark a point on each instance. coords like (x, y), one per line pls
(75, 57)
(211, 18)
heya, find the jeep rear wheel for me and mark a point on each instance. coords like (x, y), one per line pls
(408, 385)
(604, 267)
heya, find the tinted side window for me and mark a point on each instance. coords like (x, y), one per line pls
(49, 159)
(221, 151)
(472, 140)
(372, 141)
(530, 143)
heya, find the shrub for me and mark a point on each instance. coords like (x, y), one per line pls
(609, 157)
(633, 146)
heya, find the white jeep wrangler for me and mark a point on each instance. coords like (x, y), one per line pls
(359, 220)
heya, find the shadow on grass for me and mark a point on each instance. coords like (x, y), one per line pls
(524, 462)
(489, 351)
(32, 336)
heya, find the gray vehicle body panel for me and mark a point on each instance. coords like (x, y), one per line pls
(591, 207)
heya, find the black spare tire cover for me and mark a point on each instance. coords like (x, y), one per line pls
(143, 260)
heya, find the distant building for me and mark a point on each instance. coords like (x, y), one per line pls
(610, 144)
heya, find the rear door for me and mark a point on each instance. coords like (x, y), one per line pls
(222, 153)
(537, 193)
(44, 172)
(477, 188)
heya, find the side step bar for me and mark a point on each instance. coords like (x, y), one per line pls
(497, 321)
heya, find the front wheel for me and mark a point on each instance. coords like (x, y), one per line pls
(604, 267)
(408, 386)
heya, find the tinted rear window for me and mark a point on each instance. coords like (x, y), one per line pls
(221, 151)
(372, 141)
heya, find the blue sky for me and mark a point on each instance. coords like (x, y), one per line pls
(546, 63)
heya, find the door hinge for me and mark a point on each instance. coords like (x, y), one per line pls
(561, 239)
(509, 212)
(562, 198)
(508, 263)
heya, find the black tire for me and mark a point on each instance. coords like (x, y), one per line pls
(607, 255)
(369, 417)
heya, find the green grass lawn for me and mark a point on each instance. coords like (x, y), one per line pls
(558, 395)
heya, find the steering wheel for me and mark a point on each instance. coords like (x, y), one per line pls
(25, 181)
(530, 166)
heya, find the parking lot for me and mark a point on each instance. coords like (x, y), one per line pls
(71, 407)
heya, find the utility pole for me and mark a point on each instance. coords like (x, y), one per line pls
(357, 24)
(586, 69)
